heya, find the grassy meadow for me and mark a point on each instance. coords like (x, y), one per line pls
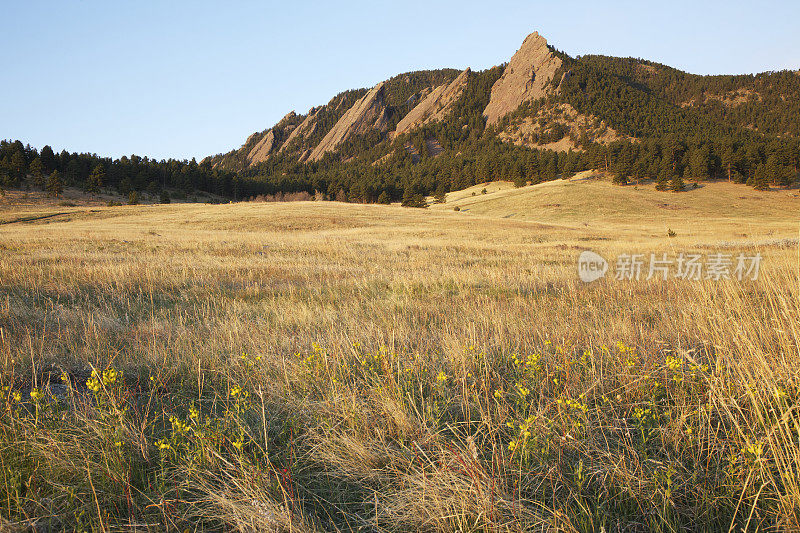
(319, 366)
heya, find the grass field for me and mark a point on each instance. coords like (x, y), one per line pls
(324, 366)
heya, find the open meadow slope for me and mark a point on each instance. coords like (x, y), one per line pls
(327, 366)
(714, 210)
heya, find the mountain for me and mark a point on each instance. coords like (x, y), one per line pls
(352, 113)
(542, 115)
(526, 78)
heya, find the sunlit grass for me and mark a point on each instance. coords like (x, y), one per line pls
(324, 367)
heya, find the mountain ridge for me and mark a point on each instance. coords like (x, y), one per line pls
(528, 118)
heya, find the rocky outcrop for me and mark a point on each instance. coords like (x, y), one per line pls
(262, 149)
(287, 118)
(435, 106)
(558, 127)
(367, 113)
(526, 77)
(305, 129)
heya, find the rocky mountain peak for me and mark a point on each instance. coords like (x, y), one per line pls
(526, 77)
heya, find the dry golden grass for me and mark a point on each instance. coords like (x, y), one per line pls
(590, 200)
(361, 367)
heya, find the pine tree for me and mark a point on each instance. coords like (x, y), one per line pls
(383, 198)
(440, 196)
(37, 172)
(73, 173)
(760, 181)
(699, 163)
(727, 158)
(778, 173)
(48, 160)
(96, 179)
(413, 199)
(19, 167)
(54, 184)
(676, 184)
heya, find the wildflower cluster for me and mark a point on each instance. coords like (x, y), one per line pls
(644, 416)
(673, 363)
(630, 357)
(695, 370)
(576, 405)
(680, 370)
(13, 396)
(530, 364)
(575, 413)
(249, 361)
(523, 435)
(522, 392)
(753, 450)
(647, 418)
(370, 363)
(314, 361)
(108, 378)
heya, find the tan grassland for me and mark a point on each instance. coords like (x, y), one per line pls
(329, 366)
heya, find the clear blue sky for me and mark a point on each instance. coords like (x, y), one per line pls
(190, 79)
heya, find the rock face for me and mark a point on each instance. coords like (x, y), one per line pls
(558, 127)
(262, 149)
(526, 77)
(367, 113)
(305, 129)
(435, 106)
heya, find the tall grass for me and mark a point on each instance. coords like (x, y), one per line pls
(220, 369)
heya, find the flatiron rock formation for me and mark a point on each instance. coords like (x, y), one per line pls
(435, 106)
(367, 113)
(525, 78)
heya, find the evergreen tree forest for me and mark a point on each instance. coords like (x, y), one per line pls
(25, 166)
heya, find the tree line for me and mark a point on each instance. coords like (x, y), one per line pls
(23, 165)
